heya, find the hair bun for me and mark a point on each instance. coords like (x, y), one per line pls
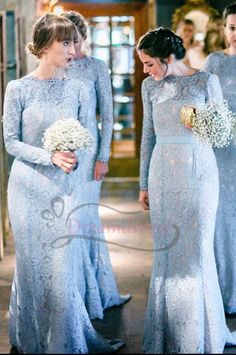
(31, 49)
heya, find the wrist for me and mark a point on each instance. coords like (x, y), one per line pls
(143, 188)
(102, 161)
(51, 159)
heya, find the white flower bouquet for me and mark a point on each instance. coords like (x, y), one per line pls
(67, 135)
(212, 124)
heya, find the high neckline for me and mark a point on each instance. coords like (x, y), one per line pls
(183, 76)
(228, 55)
(78, 61)
(35, 78)
(172, 76)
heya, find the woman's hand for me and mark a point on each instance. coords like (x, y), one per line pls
(100, 170)
(189, 126)
(65, 160)
(144, 199)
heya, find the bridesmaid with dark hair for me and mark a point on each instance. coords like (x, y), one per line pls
(223, 64)
(179, 183)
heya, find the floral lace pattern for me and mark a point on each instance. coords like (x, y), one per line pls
(225, 233)
(86, 221)
(47, 312)
(96, 70)
(185, 311)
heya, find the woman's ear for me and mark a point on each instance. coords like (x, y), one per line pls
(170, 59)
(45, 50)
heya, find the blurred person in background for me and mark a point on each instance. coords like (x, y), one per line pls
(102, 293)
(186, 30)
(223, 64)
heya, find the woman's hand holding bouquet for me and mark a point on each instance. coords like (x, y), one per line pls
(63, 138)
(212, 124)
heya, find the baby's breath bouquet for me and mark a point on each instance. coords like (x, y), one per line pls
(234, 128)
(67, 135)
(212, 124)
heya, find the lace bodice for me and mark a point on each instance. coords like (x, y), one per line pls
(224, 66)
(96, 71)
(162, 101)
(28, 101)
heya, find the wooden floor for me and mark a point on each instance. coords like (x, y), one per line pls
(132, 268)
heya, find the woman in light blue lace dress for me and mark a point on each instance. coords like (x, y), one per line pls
(179, 181)
(223, 64)
(47, 312)
(94, 73)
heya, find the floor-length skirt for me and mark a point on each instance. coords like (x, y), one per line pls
(47, 312)
(225, 231)
(185, 310)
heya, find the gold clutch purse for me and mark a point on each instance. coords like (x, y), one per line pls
(187, 115)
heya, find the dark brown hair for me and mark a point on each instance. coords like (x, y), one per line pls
(229, 10)
(50, 28)
(161, 43)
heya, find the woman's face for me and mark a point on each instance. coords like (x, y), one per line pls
(230, 30)
(186, 32)
(60, 54)
(152, 66)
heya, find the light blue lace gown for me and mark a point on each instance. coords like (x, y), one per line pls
(225, 233)
(47, 313)
(103, 293)
(185, 312)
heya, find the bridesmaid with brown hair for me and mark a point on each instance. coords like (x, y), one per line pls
(47, 312)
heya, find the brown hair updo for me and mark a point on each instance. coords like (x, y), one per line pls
(50, 28)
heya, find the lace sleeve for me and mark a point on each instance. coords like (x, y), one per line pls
(214, 90)
(12, 115)
(104, 95)
(213, 62)
(148, 138)
(83, 101)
